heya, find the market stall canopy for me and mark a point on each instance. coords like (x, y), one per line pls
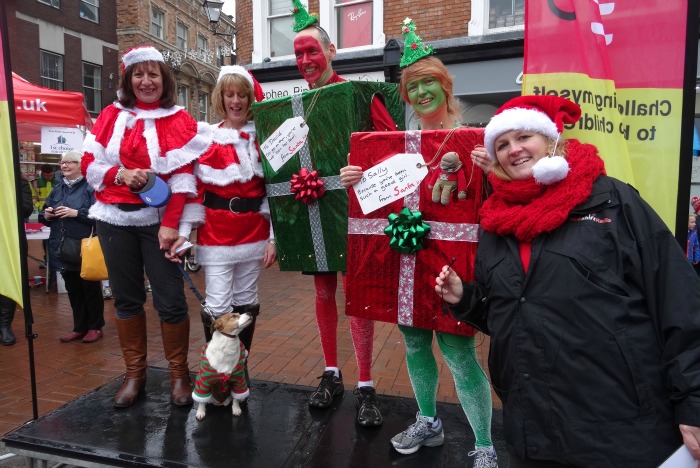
(36, 106)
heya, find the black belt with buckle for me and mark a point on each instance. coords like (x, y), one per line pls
(235, 204)
(130, 206)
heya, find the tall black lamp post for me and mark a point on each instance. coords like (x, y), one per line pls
(213, 10)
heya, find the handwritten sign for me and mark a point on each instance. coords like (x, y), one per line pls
(285, 142)
(390, 180)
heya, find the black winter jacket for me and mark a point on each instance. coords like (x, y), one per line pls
(79, 196)
(595, 352)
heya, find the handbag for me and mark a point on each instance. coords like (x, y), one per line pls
(93, 267)
(69, 251)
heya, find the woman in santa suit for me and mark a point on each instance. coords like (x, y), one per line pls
(145, 132)
(236, 239)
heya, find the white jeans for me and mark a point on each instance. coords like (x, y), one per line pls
(229, 285)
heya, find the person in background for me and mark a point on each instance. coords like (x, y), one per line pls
(42, 185)
(591, 306)
(7, 305)
(142, 135)
(314, 54)
(427, 86)
(236, 239)
(66, 212)
(692, 250)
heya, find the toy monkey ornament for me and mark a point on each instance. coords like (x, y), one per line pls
(448, 178)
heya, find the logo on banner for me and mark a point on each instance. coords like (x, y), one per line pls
(35, 105)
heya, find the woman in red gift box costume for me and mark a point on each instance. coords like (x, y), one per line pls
(590, 302)
(144, 134)
(236, 238)
(427, 86)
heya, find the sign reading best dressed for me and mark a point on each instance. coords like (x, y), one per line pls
(57, 140)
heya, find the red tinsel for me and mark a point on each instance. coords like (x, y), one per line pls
(306, 186)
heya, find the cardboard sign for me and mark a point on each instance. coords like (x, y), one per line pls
(390, 180)
(285, 142)
(58, 140)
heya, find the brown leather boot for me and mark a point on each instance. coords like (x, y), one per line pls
(176, 343)
(132, 339)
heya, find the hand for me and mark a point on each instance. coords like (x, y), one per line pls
(65, 212)
(350, 175)
(167, 237)
(48, 213)
(270, 255)
(449, 286)
(691, 439)
(481, 159)
(135, 178)
(173, 255)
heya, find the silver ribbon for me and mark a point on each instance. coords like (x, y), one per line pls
(461, 232)
(329, 182)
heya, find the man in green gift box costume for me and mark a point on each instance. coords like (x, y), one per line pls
(314, 53)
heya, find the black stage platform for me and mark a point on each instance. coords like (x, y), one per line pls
(276, 429)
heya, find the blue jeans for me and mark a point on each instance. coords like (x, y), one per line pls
(128, 250)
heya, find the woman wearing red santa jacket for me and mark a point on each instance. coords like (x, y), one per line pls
(142, 134)
(236, 238)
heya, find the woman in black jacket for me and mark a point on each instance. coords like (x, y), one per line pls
(589, 300)
(66, 212)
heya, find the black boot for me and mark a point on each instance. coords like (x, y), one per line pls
(207, 322)
(7, 315)
(246, 336)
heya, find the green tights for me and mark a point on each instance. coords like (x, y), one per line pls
(473, 388)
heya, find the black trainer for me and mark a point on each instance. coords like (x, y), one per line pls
(367, 406)
(330, 387)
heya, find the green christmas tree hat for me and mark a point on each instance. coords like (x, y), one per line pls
(302, 18)
(413, 47)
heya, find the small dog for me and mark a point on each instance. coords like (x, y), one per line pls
(221, 377)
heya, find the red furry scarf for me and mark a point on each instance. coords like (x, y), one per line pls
(525, 209)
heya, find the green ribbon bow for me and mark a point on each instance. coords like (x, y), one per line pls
(407, 231)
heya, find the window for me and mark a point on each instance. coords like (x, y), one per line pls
(203, 107)
(280, 26)
(157, 22)
(181, 40)
(182, 94)
(53, 3)
(92, 87)
(202, 46)
(90, 10)
(219, 56)
(51, 70)
(494, 16)
(353, 23)
(503, 13)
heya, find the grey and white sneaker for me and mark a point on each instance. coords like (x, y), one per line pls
(484, 457)
(107, 293)
(418, 434)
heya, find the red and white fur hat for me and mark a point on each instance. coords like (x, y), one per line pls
(141, 54)
(239, 70)
(545, 115)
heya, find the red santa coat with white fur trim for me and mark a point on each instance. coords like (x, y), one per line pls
(230, 168)
(166, 141)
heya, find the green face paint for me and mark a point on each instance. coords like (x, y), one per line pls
(425, 95)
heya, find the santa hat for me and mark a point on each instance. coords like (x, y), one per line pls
(141, 54)
(302, 18)
(239, 70)
(545, 115)
(695, 202)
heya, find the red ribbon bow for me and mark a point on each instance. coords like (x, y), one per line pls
(306, 186)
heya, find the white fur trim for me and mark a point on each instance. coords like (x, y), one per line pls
(550, 170)
(109, 213)
(247, 153)
(265, 209)
(230, 255)
(240, 396)
(142, 54)
(199, 399)
(193, 213)
(97, 169)
(235, 70)
(183, 183)
(176, 158)
(517, 118)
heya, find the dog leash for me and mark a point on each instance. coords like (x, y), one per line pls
(202, 301)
